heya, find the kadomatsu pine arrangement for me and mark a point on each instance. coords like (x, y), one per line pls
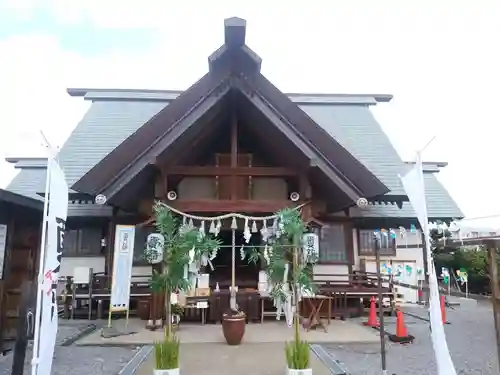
(286, 243)
(166, 354)
(297, 357)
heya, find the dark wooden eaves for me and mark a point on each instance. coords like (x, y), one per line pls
(20, 200)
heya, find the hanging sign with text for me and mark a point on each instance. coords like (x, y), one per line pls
(122, 267)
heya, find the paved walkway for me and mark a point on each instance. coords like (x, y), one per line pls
(470, 337)
(76, 360)
(340, 332)
(221, 359)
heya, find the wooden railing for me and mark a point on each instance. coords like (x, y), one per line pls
(352, 282)
(346, 290)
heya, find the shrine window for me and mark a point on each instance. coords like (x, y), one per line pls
(332, 243)
(366, 243)
(83, 242)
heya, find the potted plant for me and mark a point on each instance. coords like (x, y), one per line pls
(166, 354)
(233, 320)
(286, 253)
(233, 326)
(181, 244)
(297, 357)
(177, 312)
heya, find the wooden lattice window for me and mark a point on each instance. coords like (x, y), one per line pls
(82, 242)
(366, 243)
(332, 243)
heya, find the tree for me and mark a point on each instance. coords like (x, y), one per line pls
(182, 244)
(286, 251)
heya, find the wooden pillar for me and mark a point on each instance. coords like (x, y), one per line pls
(9, 241)
(495, 290)
(305, 195)
(110, 246)
(164, 178)
(234, 154)
(349, 243)
(36, 256)
(156, 304)
(28, 294)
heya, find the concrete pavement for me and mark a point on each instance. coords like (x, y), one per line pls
(221, 359)
(470, 338)
(268, 332)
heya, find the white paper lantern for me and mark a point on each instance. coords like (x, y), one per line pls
(311, 245)
(155, 243)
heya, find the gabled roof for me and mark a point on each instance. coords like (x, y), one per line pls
(115, 114)
(232, 67)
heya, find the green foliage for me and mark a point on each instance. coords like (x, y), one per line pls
(284, 243)
(297, 354)
(177, 309)
(167, 352)
(474, 259)
(287, 248)
(437, 235)
(297, 351)
(179, 241)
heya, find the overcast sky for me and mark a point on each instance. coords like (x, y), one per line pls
(440, 60)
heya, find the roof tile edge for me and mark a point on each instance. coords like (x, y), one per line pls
(167, 95)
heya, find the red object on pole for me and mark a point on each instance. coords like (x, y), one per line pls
(443, 310)
(372, 317)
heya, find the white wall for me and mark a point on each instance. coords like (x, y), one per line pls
(336, 272)
(68, 264)
(409, 251)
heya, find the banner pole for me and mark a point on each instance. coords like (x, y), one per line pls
(383, 357)
(41, 267)
(126, 318)
(109, 317)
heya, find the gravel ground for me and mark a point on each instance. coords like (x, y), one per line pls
(77, 360)
(470, 337)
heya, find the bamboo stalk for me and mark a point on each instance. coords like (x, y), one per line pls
(296, 317)
(232, 302)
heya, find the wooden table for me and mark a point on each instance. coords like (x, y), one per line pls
(195, 302)
(314, 319)
(263, 298)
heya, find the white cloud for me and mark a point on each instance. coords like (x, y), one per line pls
(33, 97)
(435, 57)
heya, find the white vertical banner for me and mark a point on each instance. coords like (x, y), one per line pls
(51, 250)
(122, 267)
(413, 183)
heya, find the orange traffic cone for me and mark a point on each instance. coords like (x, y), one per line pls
(401, 335)
(372, 317)
(443, 310)
(401, 330)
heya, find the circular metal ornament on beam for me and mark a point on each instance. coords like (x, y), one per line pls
(100, 199)
(362, 203)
